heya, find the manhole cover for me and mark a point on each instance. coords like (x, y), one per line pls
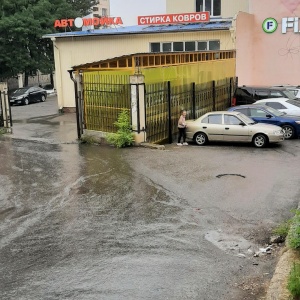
(238, 175)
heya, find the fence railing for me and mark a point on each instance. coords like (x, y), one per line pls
(164, 103)
(104, 98)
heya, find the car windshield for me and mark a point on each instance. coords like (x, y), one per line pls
(246, 119)
(273, 111)
(294, 102)
(20, 91)
(289, 94)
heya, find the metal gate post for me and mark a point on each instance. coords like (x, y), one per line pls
(214, 95)
(230, 91)
(194, 100)
(138, 107)
(80, 101)
(170, 113)
(76, 103)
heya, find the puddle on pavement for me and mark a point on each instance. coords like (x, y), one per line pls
(231, 244)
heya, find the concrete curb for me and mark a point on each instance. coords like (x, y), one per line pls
(277, 289)
(151, 146)
(278, 286)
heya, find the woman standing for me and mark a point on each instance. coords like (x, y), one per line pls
(182, 129)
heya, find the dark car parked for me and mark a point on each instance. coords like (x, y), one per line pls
(27, 95)
(265, 114)
(250, 94)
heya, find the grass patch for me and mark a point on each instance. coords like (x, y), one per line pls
(294, 281)
(2, 130)
(293, 237)
(283, 228)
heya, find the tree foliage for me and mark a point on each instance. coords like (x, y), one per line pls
(23, 23)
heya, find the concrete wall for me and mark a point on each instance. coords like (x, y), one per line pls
(268, 58)
(245, 49)
(70, 52)
(229, 8)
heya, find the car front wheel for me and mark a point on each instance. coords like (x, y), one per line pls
(201, 138)
(43, 98)
(260, 141)
(26, 101)
(288, 131)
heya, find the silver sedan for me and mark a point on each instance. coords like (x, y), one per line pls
(232, 127)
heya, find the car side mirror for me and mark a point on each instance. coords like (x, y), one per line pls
(242, 124)
(269, 116)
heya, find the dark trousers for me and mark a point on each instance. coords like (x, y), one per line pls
(181, 133)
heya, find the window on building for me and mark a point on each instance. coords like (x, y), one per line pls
(177, 46)
(154, 47)
(95, 8)
(202, 46)
(185, 46)
(213, 6)
(166, 47)
(189, 46)
(214, 45)
(104, 11)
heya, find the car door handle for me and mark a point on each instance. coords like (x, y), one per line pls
(204, 127)
(226, 128)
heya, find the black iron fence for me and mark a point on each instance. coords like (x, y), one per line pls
(104, 98)
(1, 112)
(164, 103)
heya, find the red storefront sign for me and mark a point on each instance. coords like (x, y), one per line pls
(80, 22)
(174, 18)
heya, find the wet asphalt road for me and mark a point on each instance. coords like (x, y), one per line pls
(89, 222)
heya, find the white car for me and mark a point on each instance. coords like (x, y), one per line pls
(231, 126)
(293, 88)
(49, 89)
(288, 106)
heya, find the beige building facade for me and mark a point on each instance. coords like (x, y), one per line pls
(76, 48)
(268, 43)
(102, 8)
(217, 8)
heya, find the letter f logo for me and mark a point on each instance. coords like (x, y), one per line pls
(269, 25)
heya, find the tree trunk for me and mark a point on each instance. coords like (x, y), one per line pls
(26, 78)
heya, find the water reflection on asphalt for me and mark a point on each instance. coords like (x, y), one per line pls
(78, 223)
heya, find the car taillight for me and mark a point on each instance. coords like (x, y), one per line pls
(233, 101)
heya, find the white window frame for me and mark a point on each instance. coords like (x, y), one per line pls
(172, 47)
(211, 5)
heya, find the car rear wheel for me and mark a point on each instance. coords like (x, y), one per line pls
(201, 138)
(26, 101)
(43, 98)
(289, 131)
(260, 141)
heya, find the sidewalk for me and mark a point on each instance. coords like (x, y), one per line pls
(54, 129)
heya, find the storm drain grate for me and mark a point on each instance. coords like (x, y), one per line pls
(222, 175)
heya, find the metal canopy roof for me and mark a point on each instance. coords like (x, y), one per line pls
(147, 29)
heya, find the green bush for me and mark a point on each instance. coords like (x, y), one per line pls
(293, 237)
(283, 228)
(124, 136)
(294, 281)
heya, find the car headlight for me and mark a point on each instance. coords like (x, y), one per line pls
(298, 122)
(19, 98)
(278, 132)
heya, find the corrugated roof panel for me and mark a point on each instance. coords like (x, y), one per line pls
(216, 25)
